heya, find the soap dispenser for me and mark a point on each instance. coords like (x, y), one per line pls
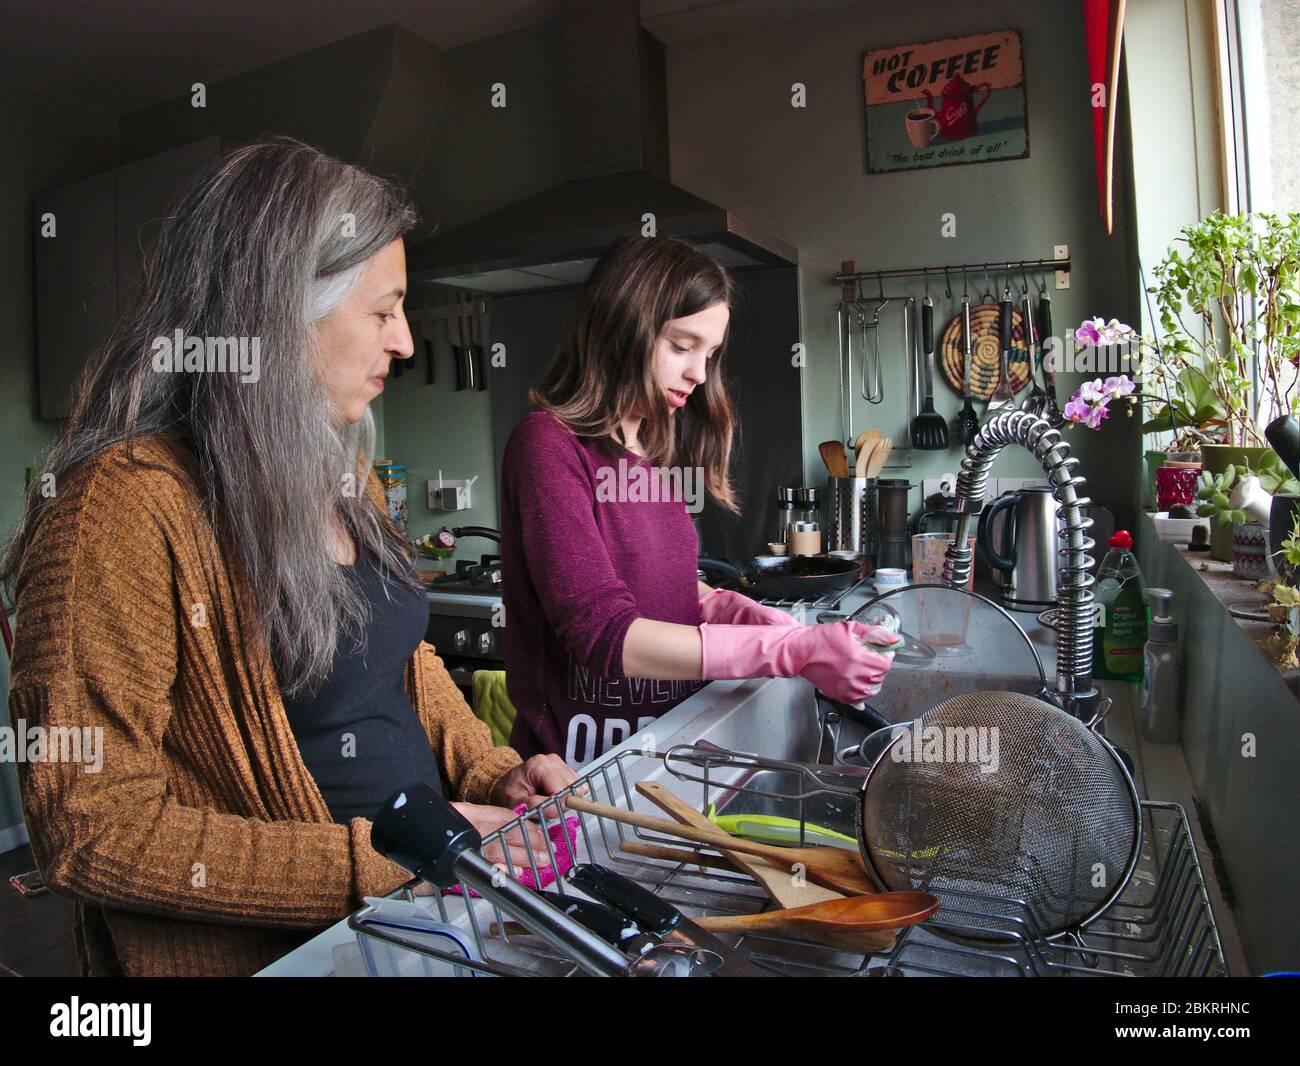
(1162, 685)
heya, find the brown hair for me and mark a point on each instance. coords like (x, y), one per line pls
(603, 369)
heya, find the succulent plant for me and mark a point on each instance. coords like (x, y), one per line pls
(1213, 494)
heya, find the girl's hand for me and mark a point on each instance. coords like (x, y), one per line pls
(722, 606)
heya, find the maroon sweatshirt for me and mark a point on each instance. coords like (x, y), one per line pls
(586, 550)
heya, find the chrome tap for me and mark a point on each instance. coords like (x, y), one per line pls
(1074, 597)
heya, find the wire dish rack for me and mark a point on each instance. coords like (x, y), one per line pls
(1162, 925)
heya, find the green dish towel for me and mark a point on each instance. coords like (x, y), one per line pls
(492, 705)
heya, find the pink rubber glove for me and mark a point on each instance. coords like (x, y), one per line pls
(833, 656)
(722, 607)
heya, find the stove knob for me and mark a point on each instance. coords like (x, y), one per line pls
(485, 642)
(460, 640)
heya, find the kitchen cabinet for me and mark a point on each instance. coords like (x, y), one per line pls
(89, 271)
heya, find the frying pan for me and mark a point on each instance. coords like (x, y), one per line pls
(793, 578)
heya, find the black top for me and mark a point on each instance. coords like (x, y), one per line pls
(358, 733)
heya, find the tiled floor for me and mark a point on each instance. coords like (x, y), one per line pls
(35, 932)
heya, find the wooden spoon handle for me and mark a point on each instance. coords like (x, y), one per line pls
(865, 453)
(719, 839)
(682, 855)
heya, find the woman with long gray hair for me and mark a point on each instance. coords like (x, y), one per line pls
(212, 603)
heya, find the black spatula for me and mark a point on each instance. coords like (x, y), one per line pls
(929, 428)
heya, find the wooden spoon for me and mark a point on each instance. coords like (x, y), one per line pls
(833, 868)
(865, 452)
(864, 436)
(879, 455)
(853, 923)
(835, 458)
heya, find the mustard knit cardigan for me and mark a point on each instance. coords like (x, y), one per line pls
(202, 846)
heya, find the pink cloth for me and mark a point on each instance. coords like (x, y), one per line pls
(563, 839)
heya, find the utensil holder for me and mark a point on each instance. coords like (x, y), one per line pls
(851, 508)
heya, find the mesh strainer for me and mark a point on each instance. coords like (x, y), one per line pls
(1002, 794)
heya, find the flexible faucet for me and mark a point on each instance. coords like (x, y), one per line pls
(1074, 594)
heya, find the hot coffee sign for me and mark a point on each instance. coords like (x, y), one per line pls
(960, 100)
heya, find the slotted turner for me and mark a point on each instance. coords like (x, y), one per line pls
(929, 428)
(967, 422)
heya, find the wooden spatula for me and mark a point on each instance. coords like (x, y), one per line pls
(785, 890)
(835, 457)
(832, 868)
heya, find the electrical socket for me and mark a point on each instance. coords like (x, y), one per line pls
(1062, 251)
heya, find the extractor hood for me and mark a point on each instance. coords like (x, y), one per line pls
(616, 162)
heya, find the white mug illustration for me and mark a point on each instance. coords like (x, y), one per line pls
(922, 126)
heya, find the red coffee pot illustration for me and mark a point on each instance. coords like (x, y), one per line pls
(956, 109)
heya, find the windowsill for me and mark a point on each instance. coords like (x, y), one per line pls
(1231, 591)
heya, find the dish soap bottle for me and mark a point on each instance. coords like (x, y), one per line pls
(1121, 624)
(1161, 686)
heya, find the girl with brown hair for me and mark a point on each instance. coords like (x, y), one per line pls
(607, 626)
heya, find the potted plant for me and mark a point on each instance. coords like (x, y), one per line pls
(1242, 493)
(1228, 294)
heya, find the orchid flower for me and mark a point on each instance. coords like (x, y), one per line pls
(1090, 405)
(1094, 331)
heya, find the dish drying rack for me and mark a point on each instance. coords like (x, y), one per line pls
(1161, 925)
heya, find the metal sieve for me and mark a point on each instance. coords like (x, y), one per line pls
(1001, 795)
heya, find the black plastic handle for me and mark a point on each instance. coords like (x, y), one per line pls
(604, 921)
(719, 571)
(1005, 324)
(428, 362)
(420, 831)
(638, 904)
(486, 532)
(1027, 317)
(985, 534)
(1044, 315)
(927, 326)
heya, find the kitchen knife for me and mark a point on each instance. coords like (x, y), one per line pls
(658, 919)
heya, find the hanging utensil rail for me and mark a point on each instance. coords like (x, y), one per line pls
(997, 266)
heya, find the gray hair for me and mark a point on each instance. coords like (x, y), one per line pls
(265, 244)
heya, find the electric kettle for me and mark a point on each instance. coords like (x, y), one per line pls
(1018, 536)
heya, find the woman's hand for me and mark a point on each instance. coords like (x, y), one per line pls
(488, 820)
(533, 782)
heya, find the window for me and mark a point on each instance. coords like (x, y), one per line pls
(1260, 96)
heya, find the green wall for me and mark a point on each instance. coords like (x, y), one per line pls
(44, 146)
(801, 174)
(479, 158)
